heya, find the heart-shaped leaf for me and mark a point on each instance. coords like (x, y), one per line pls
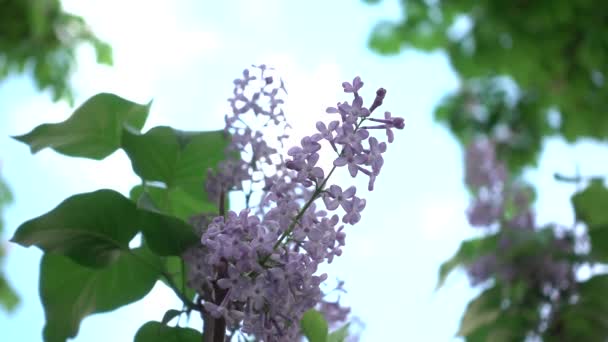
(93, 229)
(158, 332)
(93, 131)
(70, 292)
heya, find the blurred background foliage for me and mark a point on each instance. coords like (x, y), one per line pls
(528, 70)
(38, 38)
(8, 297)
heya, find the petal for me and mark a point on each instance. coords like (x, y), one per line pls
(330, 203)
(352, 169)
(318, 173)
(350, 192)
(321, 126)
(363, 133)
(294, 151)
(358, 102)
(313, 159)
(335, 191)
(340, 161)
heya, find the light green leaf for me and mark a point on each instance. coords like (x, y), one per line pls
(314, 326)
(70, 292)
(93, 131)
(339, 335)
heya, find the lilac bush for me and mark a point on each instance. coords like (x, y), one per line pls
(505, 204)
(256, 270)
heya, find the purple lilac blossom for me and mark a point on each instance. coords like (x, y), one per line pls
(258, 269)
(498, 200)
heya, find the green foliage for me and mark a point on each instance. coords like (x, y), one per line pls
(180, 161)
(483, 310)
(529, 70)
(38, 37)
(590, 207)
(314, 326)
(169, 315)
(92, 229)
(585, 318)
(8, 297)
(95, 130)
(88, 266)
(339, 335)
(549, 50)
(158, 332)
(468, 252)
(176, 269)
(517, 123)
(69, 291)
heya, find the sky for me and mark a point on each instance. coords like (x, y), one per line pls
(184, 55)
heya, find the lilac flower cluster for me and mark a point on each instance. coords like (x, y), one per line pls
(258, 270)
(248, 141)
(499, 202)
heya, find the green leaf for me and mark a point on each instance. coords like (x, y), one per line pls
(314, 326)
(158, 332)
(482, 310)
(70, 292)
(8, 297)
(468, 252)
(169, 315)
(166, 235)
(178, 159)
(598, 238)
(153, 155)
(586, 319)
(384, 38)
(175, 201)
(93, 229)
(176, 268)
(93, 131)
(339, 335)
(591, 205)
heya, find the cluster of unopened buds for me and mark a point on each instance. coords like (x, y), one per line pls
(257, 268)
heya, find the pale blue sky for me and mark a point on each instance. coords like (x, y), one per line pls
(184, 55)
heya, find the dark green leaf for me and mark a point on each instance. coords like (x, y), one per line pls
(158, 332)
(591, 205)
(93, 229)
(480, 311)
(93, 131)
(314, 326)
(177, 270)
(166, 235)
(468, 252)
(169, 315)
(69, 291)
(598, 237)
